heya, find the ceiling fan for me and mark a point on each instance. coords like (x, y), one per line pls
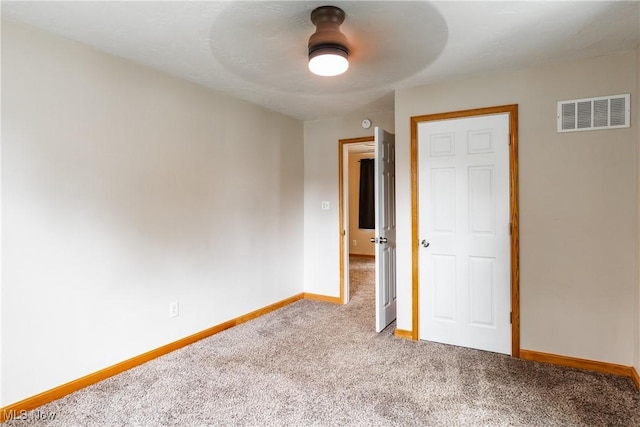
(328, 50)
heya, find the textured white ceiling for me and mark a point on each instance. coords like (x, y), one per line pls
(257, 50)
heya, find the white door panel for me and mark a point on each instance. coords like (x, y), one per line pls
(464, 273)
(385, 223)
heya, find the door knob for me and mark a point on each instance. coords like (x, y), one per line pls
(425, 244)
(373, 240)
(383, 240)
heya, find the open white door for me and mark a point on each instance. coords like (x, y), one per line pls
(385, 240)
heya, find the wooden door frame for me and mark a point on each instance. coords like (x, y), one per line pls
(512, 110)
(341, 178)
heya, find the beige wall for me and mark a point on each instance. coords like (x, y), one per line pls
(321, 227)
(578, 205)
(124, 189)
(361, 237)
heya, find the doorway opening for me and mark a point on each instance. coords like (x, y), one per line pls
(383, 217)
(354, 241)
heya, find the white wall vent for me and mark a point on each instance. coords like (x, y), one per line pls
(605, 112)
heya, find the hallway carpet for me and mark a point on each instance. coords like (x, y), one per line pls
(314, 363)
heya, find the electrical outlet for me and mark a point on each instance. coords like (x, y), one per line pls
(174, 310)
(324, 206)
(355, 243)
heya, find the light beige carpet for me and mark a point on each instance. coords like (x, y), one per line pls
(313, 363)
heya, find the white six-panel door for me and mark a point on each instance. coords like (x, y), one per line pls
(464, 256)
(385, 222)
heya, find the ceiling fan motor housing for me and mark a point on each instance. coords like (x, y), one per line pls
(327, 20)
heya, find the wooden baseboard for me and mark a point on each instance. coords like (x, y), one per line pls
(324, 298)
(58, 392)
(574, 362)
(401, 333)
(635, 377)
(268, 309)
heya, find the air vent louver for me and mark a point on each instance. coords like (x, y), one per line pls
(607, 112)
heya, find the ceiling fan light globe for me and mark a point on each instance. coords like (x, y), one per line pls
(328, 64)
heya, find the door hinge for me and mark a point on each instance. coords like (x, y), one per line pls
(511, 317)
(510, 139)
(344, 232)
(510, 228)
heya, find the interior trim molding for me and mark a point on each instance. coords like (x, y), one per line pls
(55, 393)
(402, 333)
(590, 365)
(323, 298)
(512, 110)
